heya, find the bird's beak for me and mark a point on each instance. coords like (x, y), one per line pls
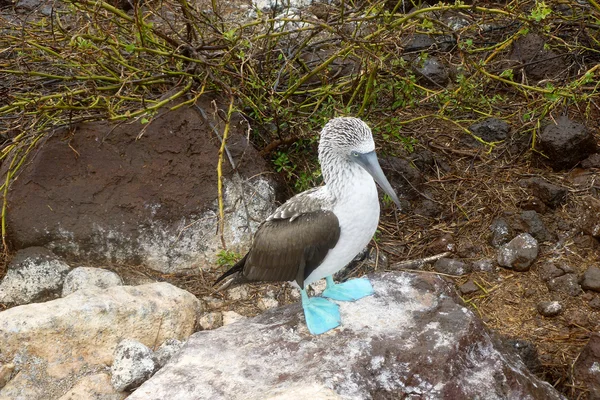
(370, 163)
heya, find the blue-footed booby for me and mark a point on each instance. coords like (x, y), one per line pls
(318, 232)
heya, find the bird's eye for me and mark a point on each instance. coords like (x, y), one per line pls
(354, 153)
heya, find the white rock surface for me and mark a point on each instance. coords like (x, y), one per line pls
(34, 274)
(55, 343)
(133, 363)
(86, 277)
(409, 340)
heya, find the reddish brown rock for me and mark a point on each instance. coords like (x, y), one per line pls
(586, 370)
(139, 193)
(566, 143)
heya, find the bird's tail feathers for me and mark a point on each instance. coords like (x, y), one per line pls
(232, 277)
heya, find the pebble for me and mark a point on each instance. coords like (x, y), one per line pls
(468, 287)
(238, 293)
(211, 320)
(519, 253)
(485, 265)
(451, 267)
(549, 308)
(229, 317)
(266, 303)
(591, 279)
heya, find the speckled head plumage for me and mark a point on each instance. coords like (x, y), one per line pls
(343, 135)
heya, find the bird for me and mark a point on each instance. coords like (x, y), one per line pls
(318, 232)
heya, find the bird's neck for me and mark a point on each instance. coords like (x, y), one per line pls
(346, 180)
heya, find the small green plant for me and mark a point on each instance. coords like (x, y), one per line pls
(540, 11)
(227, 258)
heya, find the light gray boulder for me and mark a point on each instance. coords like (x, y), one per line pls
(411, 339)
(86, 277)
(132, 365)
(35, 274)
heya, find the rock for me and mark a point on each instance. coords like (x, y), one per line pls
(432, 70)
(484, 265)
(442, 244)
(213, 303)
(230, 317)
(595, 303)
(490, 130)
(410, 340)
(591, 279)
(586, 371)
(53, 344)
(552, 195)
(238, 293)
(549, 271)
(549, 308)
(166, 351)
(418, 42)
(519, 253)
(590, 223)
(35, 274)
(85, 277)
(567, 284)
(501, 232)
(538, 62)
(133, 365)
(534, 204)
(93, 387)
(266, 303)
(593, 161)
(6, 371)
(527, 352)
(535, 226)
(211, 320)
(27, 5)
(451, 267)
(468, 287)
(106, 195)
(566, 143)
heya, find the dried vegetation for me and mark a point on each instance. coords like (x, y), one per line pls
(287, 73)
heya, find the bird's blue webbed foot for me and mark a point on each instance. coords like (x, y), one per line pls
(351, 290)
(321, 314)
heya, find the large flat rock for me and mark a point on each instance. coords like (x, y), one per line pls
(410, 340)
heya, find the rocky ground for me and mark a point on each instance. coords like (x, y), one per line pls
(502, 204)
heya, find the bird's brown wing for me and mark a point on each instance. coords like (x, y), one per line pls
(288, 249)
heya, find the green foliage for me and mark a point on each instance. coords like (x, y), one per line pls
(390, 131)
(227, 258)
(540, 11)
(287, 81)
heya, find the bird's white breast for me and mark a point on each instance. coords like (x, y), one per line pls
(357, 210)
